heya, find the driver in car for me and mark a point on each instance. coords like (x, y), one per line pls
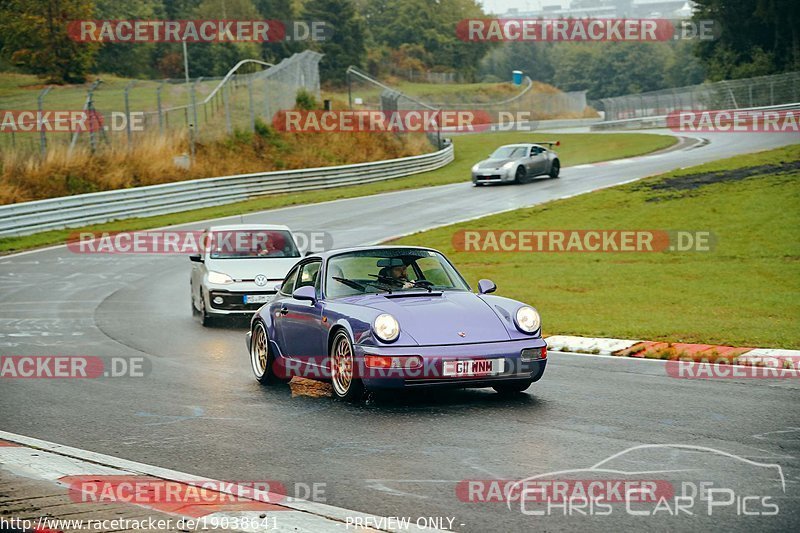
(397, 272)
(400, 274)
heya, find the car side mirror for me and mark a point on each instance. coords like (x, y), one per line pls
(306, 293)
(196, 258)
(308, 252)
(485, 286)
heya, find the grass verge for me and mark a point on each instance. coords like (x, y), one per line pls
(743, 293)
(576, 149)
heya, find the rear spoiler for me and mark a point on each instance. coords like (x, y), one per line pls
(549, 143)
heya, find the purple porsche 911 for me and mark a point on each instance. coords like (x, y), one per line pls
(385, 317)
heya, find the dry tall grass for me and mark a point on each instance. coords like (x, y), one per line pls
(151, 160)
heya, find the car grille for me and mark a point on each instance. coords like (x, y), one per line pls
(492, 177)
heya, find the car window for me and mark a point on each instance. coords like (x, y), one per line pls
(251, 244)
(287, 287)
(509, 152)
(431, 270)
(308, 274)
(371, 271)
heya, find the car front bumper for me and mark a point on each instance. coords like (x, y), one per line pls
(233, 302)
(431, 373)
(492, 176)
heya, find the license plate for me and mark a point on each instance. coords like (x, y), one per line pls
(474, 367)
(257, 298)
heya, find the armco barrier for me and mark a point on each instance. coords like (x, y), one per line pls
(94, 208)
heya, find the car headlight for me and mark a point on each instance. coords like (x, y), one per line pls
(218, 278)
(508, 165)
(527, 319)
(386, 327)
(475, 167)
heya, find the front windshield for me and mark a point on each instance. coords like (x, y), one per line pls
(509, 152)
(251, 244)
(390, 270)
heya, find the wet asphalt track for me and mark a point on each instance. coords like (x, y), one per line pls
(200, 411)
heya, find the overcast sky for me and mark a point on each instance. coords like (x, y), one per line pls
(501, 6)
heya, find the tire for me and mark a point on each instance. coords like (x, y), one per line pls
(195, 312)
(555, 169)
(205, 319)
(261, 360)
(513, 387)
(519, 177)
(346, 386)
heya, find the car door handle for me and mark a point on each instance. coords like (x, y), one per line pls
(284, 310)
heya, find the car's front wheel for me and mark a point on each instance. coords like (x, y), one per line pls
(519, 177)
(346, 385)
(195, 312)
(512, 386)
(260, 358)
(205, 319)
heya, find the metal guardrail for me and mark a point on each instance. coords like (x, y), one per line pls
(94, 208)
(660, 121)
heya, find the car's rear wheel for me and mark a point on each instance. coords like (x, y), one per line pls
(261, 360)
(346, 386)
(555, 169)
(512, 387)
(519, 177)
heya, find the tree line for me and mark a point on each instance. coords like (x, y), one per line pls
(395, 37)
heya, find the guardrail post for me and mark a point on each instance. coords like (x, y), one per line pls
(42, 136)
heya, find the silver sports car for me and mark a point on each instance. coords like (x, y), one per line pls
(517, 163)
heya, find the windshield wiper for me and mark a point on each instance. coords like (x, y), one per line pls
(350, 283)
(424, 283)
(360, 286)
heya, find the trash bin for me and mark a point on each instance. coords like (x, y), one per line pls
(517, 77)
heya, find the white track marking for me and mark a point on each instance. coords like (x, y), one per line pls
(50, 461)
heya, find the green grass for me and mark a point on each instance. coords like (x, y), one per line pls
(746, 292)
(576, 149)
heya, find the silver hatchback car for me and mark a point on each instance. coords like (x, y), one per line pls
(517, 163)
(240, 268)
